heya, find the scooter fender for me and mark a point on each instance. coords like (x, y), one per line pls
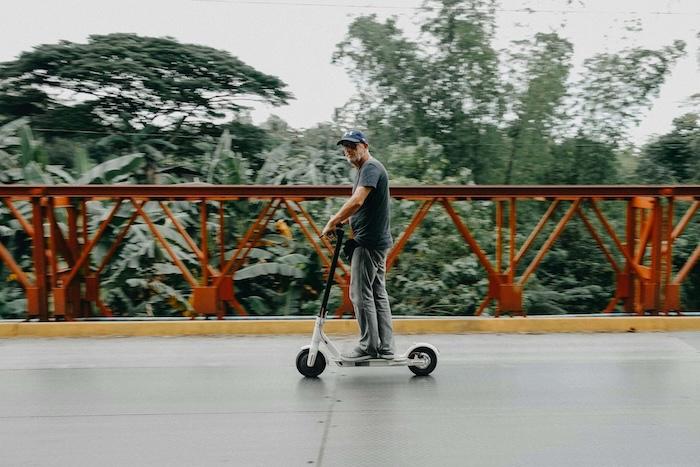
(315, 341)
(421, 344)
(312, 354)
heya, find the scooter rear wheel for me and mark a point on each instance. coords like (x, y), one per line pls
(430, 358)
(310, 371)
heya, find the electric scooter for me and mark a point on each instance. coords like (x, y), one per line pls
(420, 358)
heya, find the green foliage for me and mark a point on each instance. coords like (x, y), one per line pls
(144, 281)
(444, 108)
(581, 161)
(423, 163)
(444, 88)
(309, 158)
(143, 78)
(273, 284)
(8, 141)
(573, 278)
(221, 164)
(537, 101)
(617, 87)
(498, 114)
(123, 94)
(684, 247)
(674, 157)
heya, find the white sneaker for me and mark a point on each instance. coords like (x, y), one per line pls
(357, 355)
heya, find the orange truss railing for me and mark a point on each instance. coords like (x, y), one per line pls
(64, 284)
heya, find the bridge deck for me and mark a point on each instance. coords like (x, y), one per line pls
(494, 400)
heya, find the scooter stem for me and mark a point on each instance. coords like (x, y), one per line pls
(339, 232)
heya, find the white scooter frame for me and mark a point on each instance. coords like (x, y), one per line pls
(420, 358)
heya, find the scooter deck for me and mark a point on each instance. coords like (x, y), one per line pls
(375, 362)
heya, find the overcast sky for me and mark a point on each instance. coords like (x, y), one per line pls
(295, 41)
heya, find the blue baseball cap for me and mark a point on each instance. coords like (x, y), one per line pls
(353, 136)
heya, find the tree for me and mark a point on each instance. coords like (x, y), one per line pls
(673, 157)
(9, 140)
(304, 157)
(616, 87)
(540, 88)
(581, 161)
(391, 73)
(448, 85)
(444, 87)
(124, 83)
(423, 163)
(144, 77)
(464, 76)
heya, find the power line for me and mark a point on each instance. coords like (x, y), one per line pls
(306, 4)
(415, 8)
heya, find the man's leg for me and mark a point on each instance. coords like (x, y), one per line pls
(381, 303)
(362, 274)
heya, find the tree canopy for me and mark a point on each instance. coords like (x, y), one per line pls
(497, 113)
(444, 107)
(125, 78)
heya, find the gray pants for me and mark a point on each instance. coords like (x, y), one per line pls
(370, 300)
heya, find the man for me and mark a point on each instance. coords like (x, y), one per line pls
(368, 212)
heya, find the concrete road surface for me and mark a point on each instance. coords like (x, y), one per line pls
(494, 400)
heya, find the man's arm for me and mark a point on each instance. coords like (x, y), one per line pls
(350, 207)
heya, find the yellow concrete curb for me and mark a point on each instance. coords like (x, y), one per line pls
(349, 326)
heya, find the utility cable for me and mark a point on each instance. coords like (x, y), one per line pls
(418, 8)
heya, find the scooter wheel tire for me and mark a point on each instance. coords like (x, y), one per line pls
(310, 371)
(428, 355)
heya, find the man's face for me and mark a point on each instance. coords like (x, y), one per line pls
(353, 152)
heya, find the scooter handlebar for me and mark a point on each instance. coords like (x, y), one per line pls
(336, 233)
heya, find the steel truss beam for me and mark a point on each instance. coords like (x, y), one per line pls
(62, 245)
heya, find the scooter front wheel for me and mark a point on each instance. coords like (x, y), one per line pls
(429, 361)
(310, 371)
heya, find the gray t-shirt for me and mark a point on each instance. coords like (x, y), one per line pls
(370, 224)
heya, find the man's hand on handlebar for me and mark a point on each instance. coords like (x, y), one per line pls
(329, 231)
